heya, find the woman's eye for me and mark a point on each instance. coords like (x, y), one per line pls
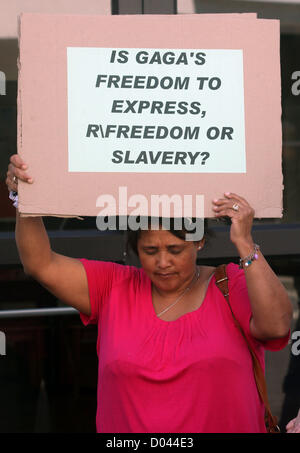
(150, 251)
(175, 251)
(153, 251)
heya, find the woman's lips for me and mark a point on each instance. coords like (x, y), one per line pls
(165, 275)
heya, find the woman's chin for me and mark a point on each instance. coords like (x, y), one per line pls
(166, 281)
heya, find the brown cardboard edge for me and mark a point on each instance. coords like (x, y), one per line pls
(23, 214)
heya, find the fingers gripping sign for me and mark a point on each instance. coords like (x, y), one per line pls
(16, 172)
(240, 213)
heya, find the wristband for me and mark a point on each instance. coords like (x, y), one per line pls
(14, 197)
(247, 261)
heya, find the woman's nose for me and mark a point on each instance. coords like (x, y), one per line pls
(163, 260)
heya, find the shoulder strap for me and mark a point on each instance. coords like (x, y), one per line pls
(271, 422)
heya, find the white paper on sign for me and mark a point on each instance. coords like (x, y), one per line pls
(156, 110)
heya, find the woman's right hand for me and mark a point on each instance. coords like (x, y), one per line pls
(17, 171)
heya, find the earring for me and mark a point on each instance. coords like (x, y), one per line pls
(199, 248)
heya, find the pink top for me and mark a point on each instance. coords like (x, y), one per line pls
(191, 375)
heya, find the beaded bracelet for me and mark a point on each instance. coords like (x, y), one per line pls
(248, 259)
(14, 197)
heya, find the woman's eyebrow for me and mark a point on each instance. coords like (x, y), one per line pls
(171, 246)
(175, 246)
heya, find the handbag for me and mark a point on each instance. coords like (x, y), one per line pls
(270, 420)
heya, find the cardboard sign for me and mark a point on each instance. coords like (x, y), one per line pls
(193, 110)
(11, 9)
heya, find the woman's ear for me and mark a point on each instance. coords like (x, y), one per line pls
(200, 244)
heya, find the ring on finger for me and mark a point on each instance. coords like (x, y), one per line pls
(235, 207)
(15, 180)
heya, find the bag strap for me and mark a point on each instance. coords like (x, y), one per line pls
(270, 420)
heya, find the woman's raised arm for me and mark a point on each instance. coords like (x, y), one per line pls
(271, 307)
(63, 276)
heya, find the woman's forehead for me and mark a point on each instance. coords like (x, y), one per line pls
(159, 237)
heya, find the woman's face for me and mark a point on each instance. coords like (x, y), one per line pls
(167, 260)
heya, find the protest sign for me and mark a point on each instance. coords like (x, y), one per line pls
(11, 9)
(194, 109)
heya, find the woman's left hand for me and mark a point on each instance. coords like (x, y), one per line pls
(241, 214)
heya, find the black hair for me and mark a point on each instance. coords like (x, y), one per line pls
(134, 235)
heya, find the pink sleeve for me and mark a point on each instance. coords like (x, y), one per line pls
(241, 307)
(100, 276)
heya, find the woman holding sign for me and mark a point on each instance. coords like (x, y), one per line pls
(171, 359)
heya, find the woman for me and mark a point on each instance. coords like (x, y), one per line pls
(170, 356)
